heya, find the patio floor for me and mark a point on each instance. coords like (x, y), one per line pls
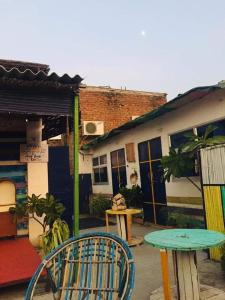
(148, 274)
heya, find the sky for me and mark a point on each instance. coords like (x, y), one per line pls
(166, 46)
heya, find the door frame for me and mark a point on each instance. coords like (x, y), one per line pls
(151, 182)
(118, 166)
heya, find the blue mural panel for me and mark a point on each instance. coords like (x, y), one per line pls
(18, 175)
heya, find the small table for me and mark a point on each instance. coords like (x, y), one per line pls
(184, 243)
(124, 224)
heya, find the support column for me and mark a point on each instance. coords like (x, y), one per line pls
(187, 275)
(165, 274)
(76, 164)
(128, 228)
(121, 225)
(37, 182)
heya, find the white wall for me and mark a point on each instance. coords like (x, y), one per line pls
(85, 163)
(199, 112)
(37, 182)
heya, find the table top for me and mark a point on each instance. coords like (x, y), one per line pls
(185, 239)
(129, 211)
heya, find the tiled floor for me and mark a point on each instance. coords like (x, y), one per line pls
(148, 274)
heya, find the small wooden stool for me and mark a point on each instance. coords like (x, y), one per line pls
(124, 224)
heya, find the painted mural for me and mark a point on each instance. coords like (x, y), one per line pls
(18, 175)
(213, 183)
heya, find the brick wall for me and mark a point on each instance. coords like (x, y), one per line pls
(114, 106)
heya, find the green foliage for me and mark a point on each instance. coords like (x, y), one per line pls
(52, 209)
(196, 142)
(133, 196)
(49, 208)
(180, 220)
(56, 235)
(180, 161)
(176, 163)
(19, 211)
(47, 212)
(99, 204)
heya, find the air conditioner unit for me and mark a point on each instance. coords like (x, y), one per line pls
(93, 127)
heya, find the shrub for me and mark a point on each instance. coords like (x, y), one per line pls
(55, 230)
(99, 204)
(36, 206)
(55, 236)
(133, 196)
(180, 220)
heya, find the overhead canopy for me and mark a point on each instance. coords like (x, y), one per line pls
(24, 91)
(179, 101)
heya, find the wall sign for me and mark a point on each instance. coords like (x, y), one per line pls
(33, 154)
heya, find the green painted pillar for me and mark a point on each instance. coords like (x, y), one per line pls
(76, 164)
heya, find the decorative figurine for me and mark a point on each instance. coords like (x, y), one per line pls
(118, 202)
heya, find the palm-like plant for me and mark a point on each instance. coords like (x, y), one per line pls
(177, 164)
(36, 207)
(184, 159)
(196, 142)
(47, 212)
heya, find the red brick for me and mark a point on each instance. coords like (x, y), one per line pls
(114, 106)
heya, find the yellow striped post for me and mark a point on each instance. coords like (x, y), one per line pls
(165, 274)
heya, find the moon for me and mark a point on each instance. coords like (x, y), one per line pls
(143, 33)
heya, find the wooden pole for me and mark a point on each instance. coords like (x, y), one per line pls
(107, 222)
(165, 274)
(76, 164)
(187, 275)
(129, 225)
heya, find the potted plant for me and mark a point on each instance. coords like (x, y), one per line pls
(47, 212)
(99, 204)
(134, 199)
(133, 196)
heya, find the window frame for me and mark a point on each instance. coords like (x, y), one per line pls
(98, 167)
(121, 163)
(195, 131)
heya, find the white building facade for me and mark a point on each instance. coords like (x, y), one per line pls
(138, 149)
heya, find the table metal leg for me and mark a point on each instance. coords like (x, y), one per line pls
(165, 274)
(187, 275)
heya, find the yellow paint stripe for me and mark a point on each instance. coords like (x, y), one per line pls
(214, 214)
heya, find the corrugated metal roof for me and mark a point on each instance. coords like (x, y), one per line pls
(180, 100)
(34, 92)
(30, 92)
(29, 75)
(23, 65)
(35, 101)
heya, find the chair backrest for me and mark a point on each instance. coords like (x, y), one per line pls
(92, 266)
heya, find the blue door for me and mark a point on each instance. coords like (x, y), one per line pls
(60, 182)
(119, 173)
(152, 183)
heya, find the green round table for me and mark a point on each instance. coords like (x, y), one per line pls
(184, 243)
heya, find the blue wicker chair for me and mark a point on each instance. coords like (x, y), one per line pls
(93, 266)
